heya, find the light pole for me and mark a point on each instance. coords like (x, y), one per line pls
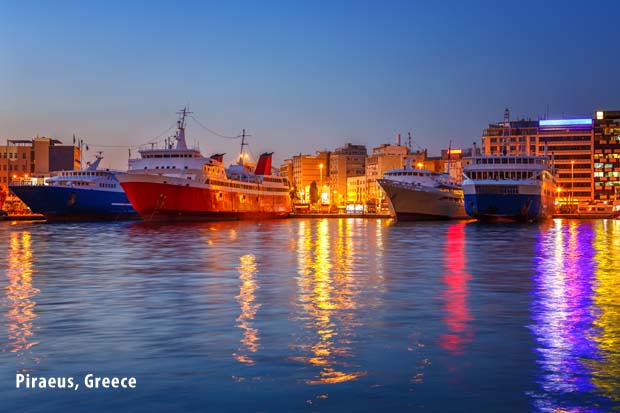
(572, 183)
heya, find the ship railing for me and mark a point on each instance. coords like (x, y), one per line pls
(28, 182)
(409, 185)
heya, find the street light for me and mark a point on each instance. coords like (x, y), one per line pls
(420, 165)
(572, 182)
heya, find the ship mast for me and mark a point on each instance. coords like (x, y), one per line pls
(180, 135)
(243, 143)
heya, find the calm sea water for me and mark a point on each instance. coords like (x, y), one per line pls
(314, 315)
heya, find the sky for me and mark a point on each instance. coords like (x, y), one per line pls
(299, 76)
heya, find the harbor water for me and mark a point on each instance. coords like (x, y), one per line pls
(313, 315)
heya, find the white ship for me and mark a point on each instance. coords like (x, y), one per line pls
(418, 194)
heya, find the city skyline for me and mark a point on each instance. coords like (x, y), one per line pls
(299, 77)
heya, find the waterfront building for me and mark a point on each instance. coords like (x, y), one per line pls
(308, 169)
(383, 158)
(569, 141)
(356, 190)
(606, 158)
(23, 158)
(344, 162)
(521, 138)
(286, 170)
(454, 161)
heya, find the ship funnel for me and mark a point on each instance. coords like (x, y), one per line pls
(263, 167)
(218, 157)
(474, 149)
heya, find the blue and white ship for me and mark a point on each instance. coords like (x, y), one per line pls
(89, 194)
(516, 188)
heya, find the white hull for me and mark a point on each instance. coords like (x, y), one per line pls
(412, 203)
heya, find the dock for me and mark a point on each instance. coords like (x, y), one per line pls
(23, 217)
(328, 215)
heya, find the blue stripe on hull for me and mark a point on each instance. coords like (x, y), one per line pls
(495, 206)
(68, 203)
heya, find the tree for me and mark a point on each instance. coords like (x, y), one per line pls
(314, 193)
(294, 194)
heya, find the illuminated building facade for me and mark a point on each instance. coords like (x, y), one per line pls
(569, 141)
(356, 189)
(383, 158)
(286, 170)
(606, 158)
(344, 162)
(308, 169)
(35, 157)
(518, 137)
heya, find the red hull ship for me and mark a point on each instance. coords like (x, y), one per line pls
(180, 184)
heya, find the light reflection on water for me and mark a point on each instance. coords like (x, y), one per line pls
(316, 315)
(456, 312)
(246, 298)
(19, 299)
(327, 297)
(576, 317)
(606, 302)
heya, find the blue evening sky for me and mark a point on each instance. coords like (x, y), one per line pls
(300, 76)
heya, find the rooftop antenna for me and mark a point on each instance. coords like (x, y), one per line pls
(505, 129)
(449, 155)
(243, 143)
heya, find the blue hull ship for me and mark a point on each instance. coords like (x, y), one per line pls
(516, 188)
(89, 194)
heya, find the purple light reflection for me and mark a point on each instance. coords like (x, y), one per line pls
(562, 313)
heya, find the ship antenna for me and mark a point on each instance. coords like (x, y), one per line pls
(409, 141)
(243, 143)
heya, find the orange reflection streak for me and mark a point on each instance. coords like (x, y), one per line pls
(456, 312)
(606, 299)
(20, 295)
(246, 297)
(327, 296)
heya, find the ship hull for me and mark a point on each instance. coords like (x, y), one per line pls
(158, 198)
(525, 207)
(409, 204)
(75, 204)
